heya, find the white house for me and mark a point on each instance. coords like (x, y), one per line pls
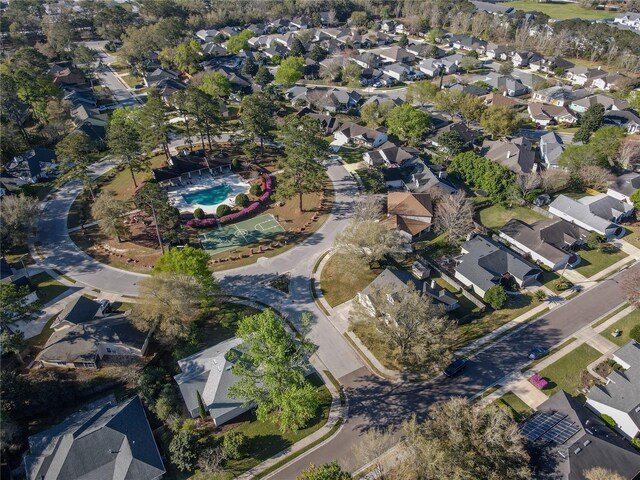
(620, 397)
(629, 19)
(353, 133)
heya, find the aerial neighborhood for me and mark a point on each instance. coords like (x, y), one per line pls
(320, 239)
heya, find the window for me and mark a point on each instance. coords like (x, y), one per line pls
(109, 350)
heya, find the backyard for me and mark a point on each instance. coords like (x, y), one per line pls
(560, 10)
(566, 374)
(625, 325)
(594, 261)
(496, 216)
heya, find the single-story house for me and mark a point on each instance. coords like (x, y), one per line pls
(189, 164)
(467, 42)
(561, 96)
(550, 242)
(389, 281)
(607, 82)
(596, 213)
(396, 55)
(398, 71)
(581, 75)
(79, 311)
(440, 296)
(498, 52)
(619, 398)
(430, 66)
(353, 133)
(544, 114)
(577, 441)
(625, 119)
(516, 154)
(409, 213)
(207, 35)
(524, 58)
(104, 440)
(499, 100)
(33, 165)
(492, 8)
(551, 146)
(389, 154)
(485, 263)
(609, 103)
(430, 179)
(550, 65)
(333, 100)
(368, 60)
(151, 79)
(209, 375)
(507, 85)
(624, 186)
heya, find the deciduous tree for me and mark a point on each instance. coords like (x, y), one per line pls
(184, 449)
(109, 211)
(239, 42)
(496, 297)
(14, 304)
(290, 71)
(454, 216)
(369, 241)
(594, 176)
(408, 122)
(451, 142)
(374, 114)
(499, 121)
(422, 91)
(216, 84)
(601, 473)
(326, 471)
(606, 142)
(76, 155)
(263, 76)
(190, 261)
(17, 215)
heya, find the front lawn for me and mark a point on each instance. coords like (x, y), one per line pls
(340, 284)
(39, 341)
(566, 373)
(351, 155)
(549, 279)
(625, 325)
(514, 406)
(594, 261)
(496, 216)
(48, 287)
(633, 234)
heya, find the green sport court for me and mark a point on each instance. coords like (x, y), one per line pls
(241, 233)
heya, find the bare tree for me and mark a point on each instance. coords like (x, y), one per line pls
(372, 446)
(369, 241)
(454, 216)
(554, 179)
(632, 288)
(595, 177)
(211, 460)
(368, 209)
(17, 215)
(629, 154)
(600, 473)
(418, 330)
(527, 182)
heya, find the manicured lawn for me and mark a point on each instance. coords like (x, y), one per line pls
(514, 406)
(351, 155)
(548, 279)
(561, 10)
(377, 344)
(593, 261)
(496, 216)
(434, 246)
(565, 373)
(533, 363)
(48, 287)
(625, 324)
(132, 80)
(340, 284)
(633, 234)
(466, 305)
(40, 339)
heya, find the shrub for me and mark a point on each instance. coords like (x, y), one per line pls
(594, 240)
(223, 210)
(255, 190)
(242, 200)
(635, 333)
(496, 297)
(607, 247)
(563, 284)
(541, 295)
(184, 450)
(608, 420)
(198, 213)
(235, 164)
(234, 444)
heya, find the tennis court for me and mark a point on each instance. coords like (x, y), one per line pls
(241, 233)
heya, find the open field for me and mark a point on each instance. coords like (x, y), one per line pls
(561, 10)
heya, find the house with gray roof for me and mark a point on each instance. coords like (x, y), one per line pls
(624, 186)
(353, 133)
(486, 263)
(78, 311)
(561, 96)
(492, 8)
(551, 146)
(33, 165)
(552, 242)
(507, 85)
(429, 179)
(596, 213)
(620, 397)
(516, 154)
(209, 374)
(609, 103)
(105, 441)
(624, 118)
(390, 154)
(572, 440)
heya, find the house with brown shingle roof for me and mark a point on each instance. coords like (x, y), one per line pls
(409, 213)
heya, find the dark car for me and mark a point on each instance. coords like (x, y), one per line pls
(455, 367)
(537, 352)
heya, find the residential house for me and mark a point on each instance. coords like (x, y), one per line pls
(409, 213)
(551, 242)
(475, 90)
(497, 52)
(574, 440)
(619, 398)
(551, 65)
(485, 263)
(544, 114)
(451, 63)
(389, 154)
(389, 282)
(581, 75)
(368, 60)
(79, 311)
(353, 133)
(257, 28)
(401, 72)
(327, 121)
(105, 440)
(467, 135)
(440, 296)
(430, 179)
(333, 100)
(207, 35)
(629, 19)
(390, 26)
(609, 103)
(33, 165)
(230, 31)
(279, 25)
(424, 50)
(551, 147)
(507, 85)
(396, 55)
(9, 184)
(468, 43)
(431, 67)
(189, 164)
(328, 19)
(151, 79)
(300, 23)
(208, 375)
(607, 82)
(625, 119)
(378, 99)
(211, 49)
(561, 96)
(516, 154)
(492, 8)
(499, 100)
(524, 58)
(596, 213)
(624, 186)
(82, 115)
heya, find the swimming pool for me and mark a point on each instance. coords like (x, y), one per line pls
(210, 196)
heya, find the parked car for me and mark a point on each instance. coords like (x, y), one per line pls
(455, 367)
(105, 305)
(536, 353)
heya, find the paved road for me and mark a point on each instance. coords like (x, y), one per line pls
(377, 403)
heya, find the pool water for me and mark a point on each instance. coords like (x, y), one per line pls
(210, 196)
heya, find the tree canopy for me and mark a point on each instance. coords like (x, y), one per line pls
(290, 71)
(190, 261)
(239, 42)
(408, 122)
(499, 121)
(481, 173)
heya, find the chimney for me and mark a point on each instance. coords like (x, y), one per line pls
(433, 284)
(508, 153)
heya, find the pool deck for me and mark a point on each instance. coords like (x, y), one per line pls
(198, 183)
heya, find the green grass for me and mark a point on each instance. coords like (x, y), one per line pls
(565, 373)
(351, 155)
(548, 279)
(496, 216)
(633, 234)
(514, 406)
(608, 316)
(131, 80)
(41, 339)
(48, 287)
(625, 324)
(466, 305)
(266, 439)
(561, 10)
(340, 284)
(594, 261)
(532, 364)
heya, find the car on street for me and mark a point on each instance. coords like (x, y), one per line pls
(536, 353)
(455, 367)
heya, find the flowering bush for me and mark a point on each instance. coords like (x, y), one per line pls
(201, 223)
